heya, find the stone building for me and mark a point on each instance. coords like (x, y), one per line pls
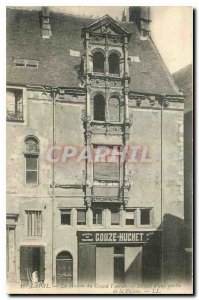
(72, 83)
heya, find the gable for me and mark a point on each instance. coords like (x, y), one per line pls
(106, 25)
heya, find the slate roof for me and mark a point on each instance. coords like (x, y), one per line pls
(58, 68)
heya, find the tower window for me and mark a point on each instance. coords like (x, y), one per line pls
(98, 62)
(113, 61)
(99, 108)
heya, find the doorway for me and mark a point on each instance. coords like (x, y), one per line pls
(64, 269)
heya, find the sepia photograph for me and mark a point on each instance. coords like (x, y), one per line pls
(99, 150)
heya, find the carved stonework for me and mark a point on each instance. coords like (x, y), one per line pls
(114, 83)
(114, 40)
(97, 39)
(166, 103)
(97, 82)
(138, 102)
(114, 129)
(83, 115)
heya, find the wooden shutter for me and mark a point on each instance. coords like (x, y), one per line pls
(87, 264)
(115, 218)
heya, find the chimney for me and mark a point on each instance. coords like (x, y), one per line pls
(46, 28)
(141, 16)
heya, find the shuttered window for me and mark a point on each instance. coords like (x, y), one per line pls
(115, 218)
(81, 217)
(31, 169)
(34, 223)
(130, 217)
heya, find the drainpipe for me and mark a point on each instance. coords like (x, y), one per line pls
(53, 93)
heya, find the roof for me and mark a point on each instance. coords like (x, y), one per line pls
(183, 79)
(58, 68)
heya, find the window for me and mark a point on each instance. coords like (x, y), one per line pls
(108, 167)
(145, 217)
(98, 62)
(114, 66)
(14, 105)
(34, 223)
(130, 217)
(22, 62)
(81, 217)
(97, 217)
(115, 217)
(114, 109)
(99, 108)
(31, 160)
(65, 217)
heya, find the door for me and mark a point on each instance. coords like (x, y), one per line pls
(64, 269)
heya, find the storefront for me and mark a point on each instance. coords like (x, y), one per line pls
(117, 256)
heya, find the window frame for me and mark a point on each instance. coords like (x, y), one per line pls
(150, 221)
(98, 211)
(96, 99)
(65, 211)
(118, 57)
(15, 90)
(96, 52)
(33, 154)
(84, 210)
(30, 228)
(134, 219)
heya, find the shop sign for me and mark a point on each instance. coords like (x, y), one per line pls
(114, 236)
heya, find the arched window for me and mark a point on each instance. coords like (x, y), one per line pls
(99, 108)
(114, 109)
(98, 62)
(64, 269)
(31, 159)
(114, 64)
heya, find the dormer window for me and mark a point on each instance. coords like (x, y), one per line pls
(98, 62)
(99, 108)
(114, 64)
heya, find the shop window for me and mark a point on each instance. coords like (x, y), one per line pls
(99, 108)
(145, 216)
(114, 64)
(34, 223)
(14, 106)
(130, 217)
(106, 168)
(65, 216)
(98, 62)
(64, 269)
(81, 217)
(115, 217)
(114, 109)
(97, 217)
(31, 159)
(32, 265)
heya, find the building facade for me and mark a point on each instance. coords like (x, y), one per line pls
(77, 87)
